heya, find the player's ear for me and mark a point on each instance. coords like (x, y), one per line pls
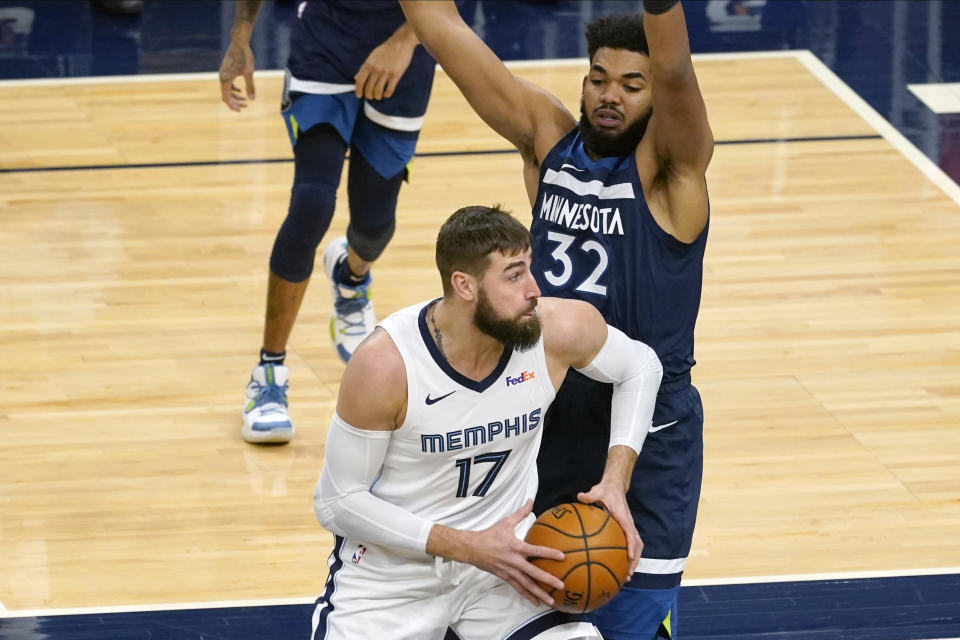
(464, 285)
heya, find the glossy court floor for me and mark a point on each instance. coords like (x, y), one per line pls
(137, 214)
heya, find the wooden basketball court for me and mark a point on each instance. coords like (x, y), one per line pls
(133, 290)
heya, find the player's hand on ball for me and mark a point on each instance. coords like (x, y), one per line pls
(499, 551)
(610, 495)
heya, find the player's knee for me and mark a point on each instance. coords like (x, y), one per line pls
(369, 243)
(373, 207)
(308, 218)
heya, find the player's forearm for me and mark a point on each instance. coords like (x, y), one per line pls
(666, 33)
(430, 19)
(243, 19)
(619, 466)
(438, 26)
(363, 516)
(405, 35)
(342, 500)
(449, 543)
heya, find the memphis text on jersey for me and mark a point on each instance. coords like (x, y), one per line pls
(480, 434)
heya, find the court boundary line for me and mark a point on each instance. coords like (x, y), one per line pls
(293, 600)
(278, 73)
(804, 56)
(426, 154)
(881, 125)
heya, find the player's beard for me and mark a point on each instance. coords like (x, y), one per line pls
(517, 333)
(608, 145)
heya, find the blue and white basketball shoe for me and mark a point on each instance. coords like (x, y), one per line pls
(265, 416)
(352, 318)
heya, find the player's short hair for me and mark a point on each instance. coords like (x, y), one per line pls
(624, 31)
(471, 234)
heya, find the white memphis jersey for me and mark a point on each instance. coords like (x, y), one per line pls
(466, 454)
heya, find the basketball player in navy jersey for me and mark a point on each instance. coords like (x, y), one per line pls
(620, 214)
(428, 482)
(355, 80)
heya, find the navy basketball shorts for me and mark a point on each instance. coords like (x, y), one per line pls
(663, 495)
(328, 48)
(384, 131)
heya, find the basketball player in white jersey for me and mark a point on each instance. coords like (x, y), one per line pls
(430, 465)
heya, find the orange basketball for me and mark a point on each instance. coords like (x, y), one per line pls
(595, 565)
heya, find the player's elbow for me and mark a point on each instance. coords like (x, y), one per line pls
(324, 503)
(648, 364)
(328, 503)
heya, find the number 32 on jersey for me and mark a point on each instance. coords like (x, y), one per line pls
(564, 264)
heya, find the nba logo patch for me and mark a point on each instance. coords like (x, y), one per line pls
(358, 554)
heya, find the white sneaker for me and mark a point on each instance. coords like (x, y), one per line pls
(352, 318)
(265, 417)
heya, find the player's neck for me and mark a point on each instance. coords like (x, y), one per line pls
(471, 352)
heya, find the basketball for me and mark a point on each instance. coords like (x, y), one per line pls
(595, 565)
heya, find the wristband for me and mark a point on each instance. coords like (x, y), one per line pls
(657, 7)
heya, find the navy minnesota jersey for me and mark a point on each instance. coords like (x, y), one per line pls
(595, 239)
(333, 38)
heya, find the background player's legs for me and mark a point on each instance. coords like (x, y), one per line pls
(373, 207)
(318, 163)
(283, 305)
(378, 166)
(373, 210)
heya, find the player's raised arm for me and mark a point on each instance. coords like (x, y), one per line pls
(684, 141)
(528, 117)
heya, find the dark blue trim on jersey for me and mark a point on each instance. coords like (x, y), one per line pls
(321, 632)
(475, 385)
(431, 154)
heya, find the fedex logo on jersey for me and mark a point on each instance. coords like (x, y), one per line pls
(523, 377)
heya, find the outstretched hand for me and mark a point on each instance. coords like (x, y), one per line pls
(499, 551)
(238, 61)
(381, 71)
(611, 497)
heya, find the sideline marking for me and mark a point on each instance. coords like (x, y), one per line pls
(926, 166)
(178, 606)
(278, 73)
